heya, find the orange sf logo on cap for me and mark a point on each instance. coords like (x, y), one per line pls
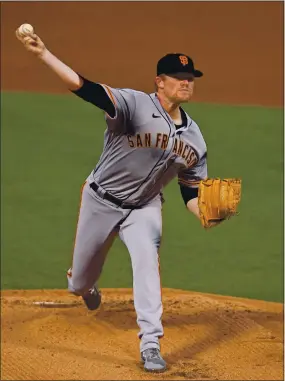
(183, 60)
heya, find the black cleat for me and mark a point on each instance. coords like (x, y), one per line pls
(92, 299)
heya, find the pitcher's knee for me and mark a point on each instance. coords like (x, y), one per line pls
(78, 286)
(79, 290)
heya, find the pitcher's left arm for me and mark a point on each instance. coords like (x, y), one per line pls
(189, 180)
(211, 200)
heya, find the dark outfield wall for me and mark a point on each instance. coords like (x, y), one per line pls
(238, 45)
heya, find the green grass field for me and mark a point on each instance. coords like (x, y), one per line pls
(50, 143)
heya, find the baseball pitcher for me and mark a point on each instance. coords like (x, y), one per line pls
(149, 140)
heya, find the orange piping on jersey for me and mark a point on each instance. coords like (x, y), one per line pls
(188, 182)
(110, 94)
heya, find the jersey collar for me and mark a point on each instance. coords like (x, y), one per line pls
(160, 108)
(165, 114)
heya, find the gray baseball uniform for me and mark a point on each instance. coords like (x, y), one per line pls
(143, 151)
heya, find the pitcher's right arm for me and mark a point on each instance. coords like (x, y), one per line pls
(85, 89)
(35, 45)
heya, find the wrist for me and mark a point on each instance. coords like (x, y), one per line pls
(44, 55)
(193, 207)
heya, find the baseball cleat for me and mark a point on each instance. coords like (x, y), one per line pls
(153, 362)
(92, 299)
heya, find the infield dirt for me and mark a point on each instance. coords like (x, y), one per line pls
(207, 337)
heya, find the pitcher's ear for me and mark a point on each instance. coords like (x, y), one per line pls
(159, 82)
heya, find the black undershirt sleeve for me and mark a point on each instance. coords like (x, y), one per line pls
(94, 93)
(188, 193)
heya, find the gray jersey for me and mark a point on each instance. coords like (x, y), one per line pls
(143, 151)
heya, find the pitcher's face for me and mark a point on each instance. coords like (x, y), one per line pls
(178, 87)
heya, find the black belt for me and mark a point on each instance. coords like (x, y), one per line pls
(108, 196)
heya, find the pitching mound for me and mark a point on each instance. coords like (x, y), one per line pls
(207, 337)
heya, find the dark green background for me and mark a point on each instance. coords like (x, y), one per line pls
(50, 144)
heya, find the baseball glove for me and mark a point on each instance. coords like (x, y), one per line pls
(218, 200)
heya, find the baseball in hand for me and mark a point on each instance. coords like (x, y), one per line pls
(25, 30)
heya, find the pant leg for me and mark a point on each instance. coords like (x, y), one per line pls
(141, 233)
(94, 236)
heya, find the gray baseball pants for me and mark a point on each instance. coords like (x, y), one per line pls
(98, 224)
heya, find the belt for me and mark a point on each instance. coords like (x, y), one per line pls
(108, 196)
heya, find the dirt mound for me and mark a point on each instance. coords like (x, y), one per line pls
(206, 337)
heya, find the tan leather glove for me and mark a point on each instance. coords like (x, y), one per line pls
(218, 200)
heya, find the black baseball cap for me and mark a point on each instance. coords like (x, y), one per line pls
(177, 63)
